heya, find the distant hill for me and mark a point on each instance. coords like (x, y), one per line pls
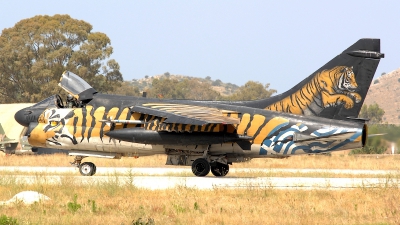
(219, 86)
(385, 91)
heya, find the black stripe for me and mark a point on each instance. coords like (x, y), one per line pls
(260, 127)
(225, 128)
(74, 124)
(175, 127)
(207, 127)
(83, 125)
(92, 124)
(248, 124)
(213, 127)
(103, 124)
(128, 117)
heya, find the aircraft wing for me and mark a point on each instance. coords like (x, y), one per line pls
(8, 142)
(186, 114)
(13, 143)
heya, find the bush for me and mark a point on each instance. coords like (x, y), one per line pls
(368, 150)
(5, 220)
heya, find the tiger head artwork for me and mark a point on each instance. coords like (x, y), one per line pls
(327, 88)
(52, 129)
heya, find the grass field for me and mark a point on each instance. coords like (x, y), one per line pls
(110, 203)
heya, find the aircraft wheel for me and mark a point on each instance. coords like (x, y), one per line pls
(94, 169)
(87, 169)
(201, 167)
(220, 170)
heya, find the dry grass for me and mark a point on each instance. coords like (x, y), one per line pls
(388, 162)
(111, 204)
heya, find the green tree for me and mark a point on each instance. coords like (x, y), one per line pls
(35, 52)
(372, 112)
(375, 144)
(251, 91)
(197, 90)
(185, 89)
(127, 89)
(165, 88)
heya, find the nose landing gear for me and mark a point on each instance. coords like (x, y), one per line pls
(86, 168)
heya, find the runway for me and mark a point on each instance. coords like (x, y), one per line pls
(166, 178)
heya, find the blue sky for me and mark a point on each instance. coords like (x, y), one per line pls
(276, 42)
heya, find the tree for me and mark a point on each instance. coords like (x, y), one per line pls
(197, 90)
(185, 89)
(165, 88)
(35, 52)
(372, 112)
(217, 82)
(127, 89)
(251, 91)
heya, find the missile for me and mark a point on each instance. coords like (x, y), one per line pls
(140, 135)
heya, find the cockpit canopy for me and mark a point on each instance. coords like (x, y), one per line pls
(76, 86)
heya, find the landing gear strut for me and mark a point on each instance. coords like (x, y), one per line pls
(86, 168)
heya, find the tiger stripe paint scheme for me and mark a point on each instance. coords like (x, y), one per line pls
(81, 128)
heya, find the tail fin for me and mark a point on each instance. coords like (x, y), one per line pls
(3, 136)
(2, 133)
(336, 90)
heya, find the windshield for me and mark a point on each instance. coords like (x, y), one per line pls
(48, 102)
(75, 85)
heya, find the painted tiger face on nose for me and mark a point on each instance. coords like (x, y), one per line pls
(56, 124)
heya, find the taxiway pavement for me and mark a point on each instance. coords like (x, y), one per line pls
(165, 178)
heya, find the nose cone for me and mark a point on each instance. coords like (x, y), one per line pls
(21, 117)
(27, 116)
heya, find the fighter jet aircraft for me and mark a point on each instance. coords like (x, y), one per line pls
(318, 115)
(5, 142)
(13, 146)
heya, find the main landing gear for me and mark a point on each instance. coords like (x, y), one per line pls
(86, 168)
(201, 167)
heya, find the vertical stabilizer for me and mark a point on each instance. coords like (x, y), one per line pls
(3, 136)
(2, 133)
(337, 90)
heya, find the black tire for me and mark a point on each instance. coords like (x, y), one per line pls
(87, 169)
(201, 167)
(220, 170)
(94, 169)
